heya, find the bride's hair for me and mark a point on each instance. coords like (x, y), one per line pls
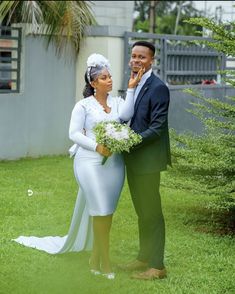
(88, 89)
(91, 75)
(95, 64)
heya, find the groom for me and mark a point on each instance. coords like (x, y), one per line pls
(145, 162)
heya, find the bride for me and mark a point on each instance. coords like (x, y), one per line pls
(99, 185)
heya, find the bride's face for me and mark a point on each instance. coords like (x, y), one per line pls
(104, 82)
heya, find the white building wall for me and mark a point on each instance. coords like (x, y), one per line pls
(35, 122)
(112, 48)
(114, 13)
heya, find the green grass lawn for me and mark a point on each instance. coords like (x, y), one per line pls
(198, 259)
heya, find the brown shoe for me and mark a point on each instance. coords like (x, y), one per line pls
(150, 274)
(133, 265)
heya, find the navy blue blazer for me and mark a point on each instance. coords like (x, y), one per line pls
(150, 120)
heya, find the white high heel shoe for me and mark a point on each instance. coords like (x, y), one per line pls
(93, 271)
(109, 276)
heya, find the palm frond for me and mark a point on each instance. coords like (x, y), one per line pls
(63, 21)
(8, 8)
(68, 22)
(32, 13)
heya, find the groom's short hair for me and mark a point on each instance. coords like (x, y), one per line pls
(145, 44)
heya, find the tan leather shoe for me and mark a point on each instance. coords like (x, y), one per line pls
(150, 274)
(133, 265)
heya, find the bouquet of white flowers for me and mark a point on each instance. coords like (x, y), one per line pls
(116, 137)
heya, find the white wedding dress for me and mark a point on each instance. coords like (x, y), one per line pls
(99, 185)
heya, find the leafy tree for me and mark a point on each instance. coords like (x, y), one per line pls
(166, 14)
(206, 163)
(60, 19)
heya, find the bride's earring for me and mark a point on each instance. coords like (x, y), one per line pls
(94, 91)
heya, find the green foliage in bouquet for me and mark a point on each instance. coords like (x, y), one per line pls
(206, 163)
(115, 136)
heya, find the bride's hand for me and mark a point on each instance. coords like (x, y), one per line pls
(134, 79)
(102, 150)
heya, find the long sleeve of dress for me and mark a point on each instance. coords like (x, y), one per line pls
(76, 129)
(126, 107)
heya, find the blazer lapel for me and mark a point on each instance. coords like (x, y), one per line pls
(141, 94)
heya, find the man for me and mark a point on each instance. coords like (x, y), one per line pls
(145, 162)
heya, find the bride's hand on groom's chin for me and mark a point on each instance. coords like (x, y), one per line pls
(135, 78)
(102, 150)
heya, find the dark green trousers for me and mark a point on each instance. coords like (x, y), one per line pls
(146, 198)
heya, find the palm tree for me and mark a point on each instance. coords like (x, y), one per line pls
(59, 19)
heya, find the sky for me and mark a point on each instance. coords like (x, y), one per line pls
(227, 10)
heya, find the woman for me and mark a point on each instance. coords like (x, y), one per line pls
(100, 185)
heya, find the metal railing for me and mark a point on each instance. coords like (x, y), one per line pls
(10, 55)
(179, 61)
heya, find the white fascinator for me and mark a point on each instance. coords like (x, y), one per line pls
(98, 60)
(95, 64)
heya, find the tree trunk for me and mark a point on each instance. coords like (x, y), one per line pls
(178, 17)
(152, 16)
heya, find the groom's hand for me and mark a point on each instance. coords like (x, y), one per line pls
(102, 150)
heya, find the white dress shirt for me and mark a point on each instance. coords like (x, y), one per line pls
(142, 82)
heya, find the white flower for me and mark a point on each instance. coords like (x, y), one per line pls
(115, 136)
(110, 130)
(118, 135)
(125, 133)
(98, 59)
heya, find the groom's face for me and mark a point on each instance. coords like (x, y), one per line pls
(141, 56)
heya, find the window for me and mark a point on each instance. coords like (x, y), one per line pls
(10, 48)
